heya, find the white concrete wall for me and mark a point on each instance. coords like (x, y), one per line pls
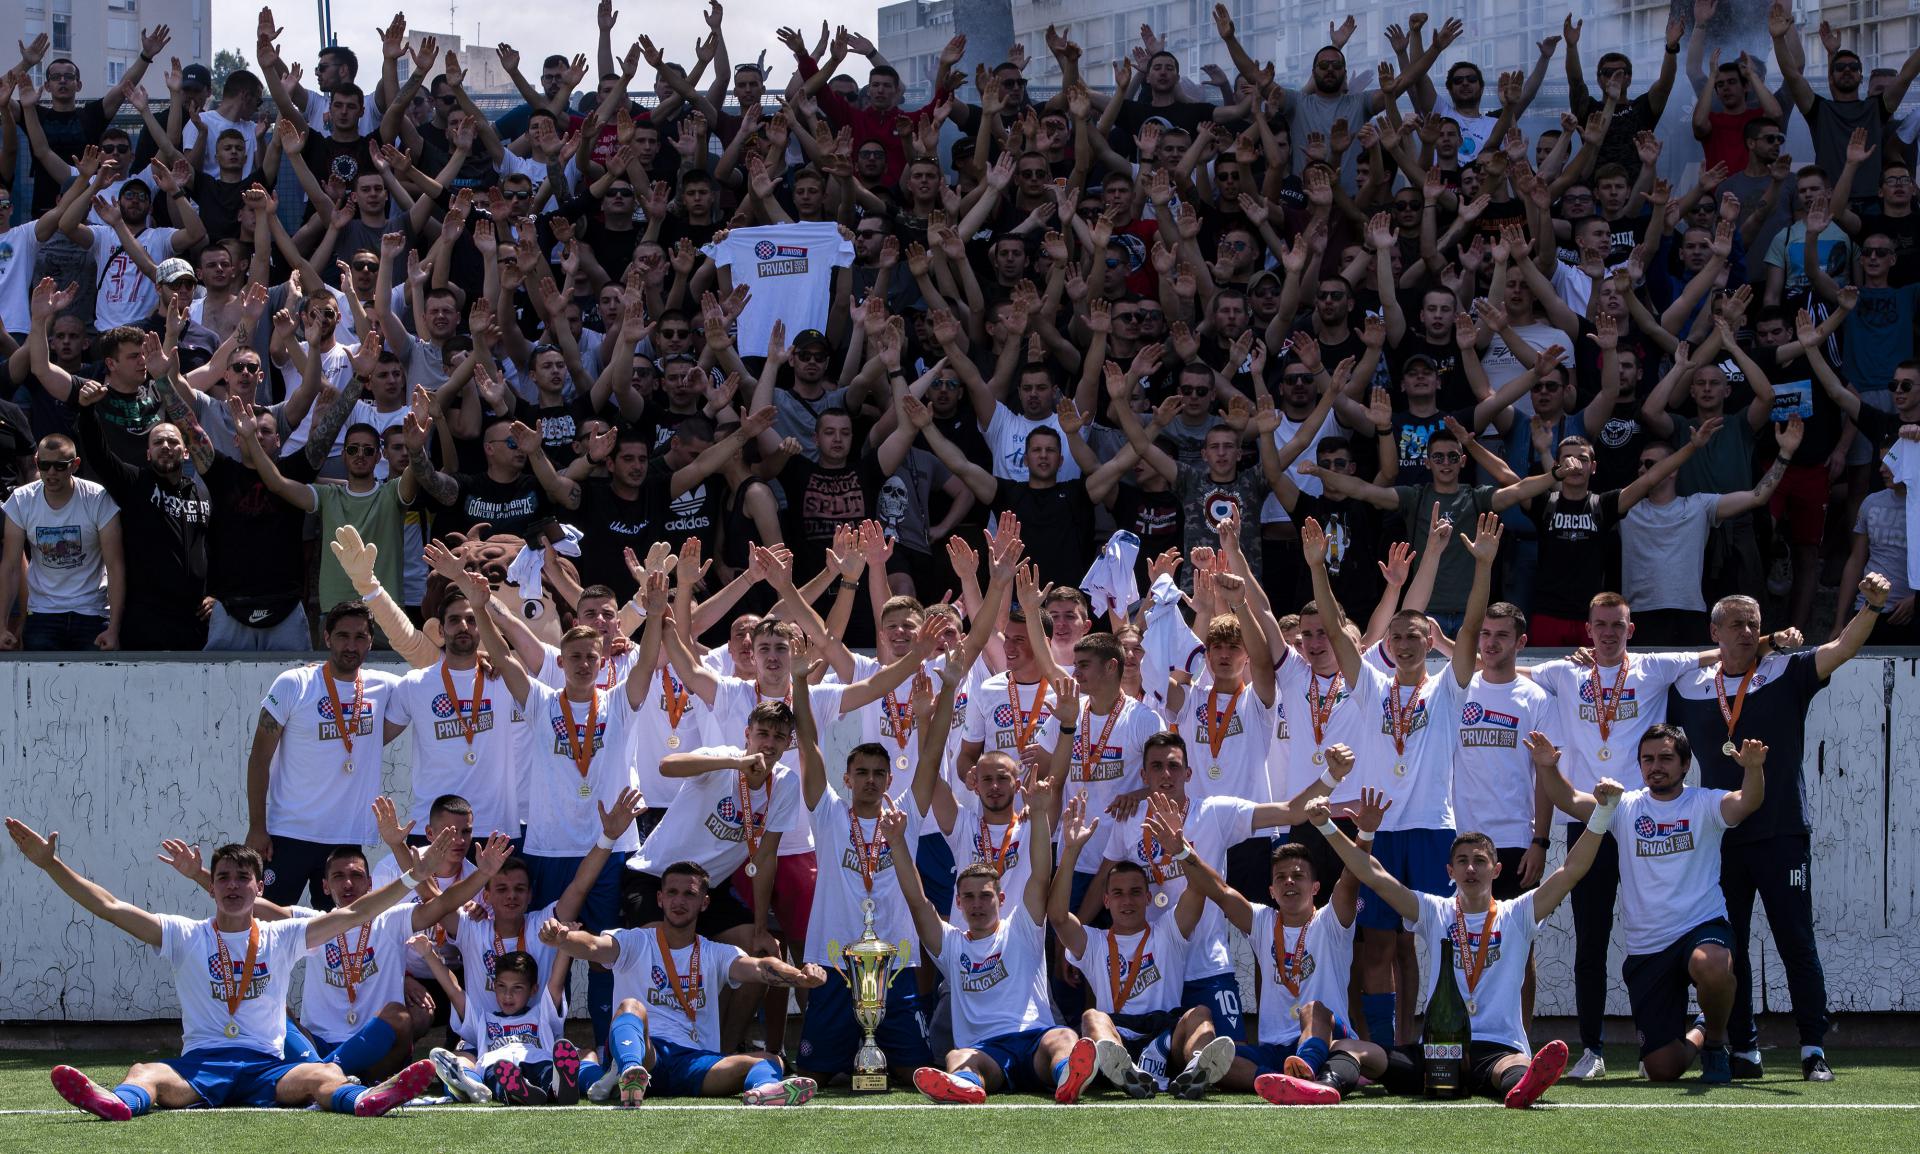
(117, 756)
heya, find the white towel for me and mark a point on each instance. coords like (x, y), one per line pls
(1167, 638)
(1110, 584)
(526, 569)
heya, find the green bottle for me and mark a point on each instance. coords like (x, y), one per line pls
(1448, 1031)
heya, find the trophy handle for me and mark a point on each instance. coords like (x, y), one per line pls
(837, 956)
(905, 957)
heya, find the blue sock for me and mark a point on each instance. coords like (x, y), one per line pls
(1378, 1010)
(1313, 1052)
(629, 1035)
(344, 1098)
(1059, 1071)
(364, 1048)
(590, 1072)
(137, 1100)
(600, 1004)
(970, 1076)
(762, 1073)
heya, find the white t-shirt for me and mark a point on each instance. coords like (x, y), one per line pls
(977, 841)
(217, 124)
(380, 950)
(1475, 130)
(479, 948)
(124, 295)
(998, 717)
(1006, 437)
(1661, 547)
(639, 974)
(1669, 865)
(1240, 768)
(789, 268)
(527, 1036)
(705, 824)
(997, 984)
(1641, 704)
(561, 821)
(875, 723)
(1346, 724)
(319, 104)
(613, 668)
(69, 572)
(439, 721)
(1493, 772)
(387, 869)
(840, 887)
(316, 790)
(19, 246)
(1904, 461)
(1325, 959)
(1115, 768)
(1270, 508)
(1151, 985)
(1213, 826)
(655, 734)
(201, 982)
(1494, 1001)
(1423, 796)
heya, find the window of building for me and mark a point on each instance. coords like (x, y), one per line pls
(61, 33)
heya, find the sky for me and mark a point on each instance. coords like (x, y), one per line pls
(535, 29)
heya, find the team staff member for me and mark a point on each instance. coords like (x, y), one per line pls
(1741, 697)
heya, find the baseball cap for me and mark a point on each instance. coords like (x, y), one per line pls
(811, 337)
(196, 76)
(1420, 359)
(174, 269)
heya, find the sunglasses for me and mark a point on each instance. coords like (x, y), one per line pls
(365, 266)
(370, 451)
(1445, 458)
(243, 367)
(1297, 379)
(1330, 296)
(1876, 250)
(944, 383)
(1646, 464)
(1773, 137)
(1844, 66)
(56, 466)
(1151, 315)
(675, 334)
(1126, 318)
(1904, 386)
(810, 354)
(517, 195)
(613, 192)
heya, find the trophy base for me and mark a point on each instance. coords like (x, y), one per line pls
(870, 1083)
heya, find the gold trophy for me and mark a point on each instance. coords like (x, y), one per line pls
(869, 973)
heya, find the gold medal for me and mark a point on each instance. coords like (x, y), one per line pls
(1296, 1013)
(673, 741)
(901, 761)
(1473, 1007)
(586, 791)
(472, 757)
(1399, 769)
(347, 765)
(1319, 757)
(753, 870)
(353, 1017)
(1606, 754)
(1728, 749)
(232, 1029)
(1213, 771)
(1160, 899)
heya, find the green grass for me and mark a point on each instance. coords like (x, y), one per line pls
(1621, 1113)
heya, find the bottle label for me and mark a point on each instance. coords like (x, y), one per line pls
(1442, 1053)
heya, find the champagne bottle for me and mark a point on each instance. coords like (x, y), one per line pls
(1448, 1031)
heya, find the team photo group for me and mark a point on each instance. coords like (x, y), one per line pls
(1023, 595)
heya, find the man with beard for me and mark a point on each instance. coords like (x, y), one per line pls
(1833, 118)
(315, 765)
(164, 517)
(506, 495)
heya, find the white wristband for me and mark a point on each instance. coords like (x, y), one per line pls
(408, 880)
(1602, 816)
(1327, 779)
(1327, 828)
(378, 592)
(603, 841)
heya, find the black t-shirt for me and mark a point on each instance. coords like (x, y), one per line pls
(1152, 517)
(613, 524)
(68, 133)
(1057, 524)
(1575, 539)
(219, 204)
(562, 424)
(1775, 712)
(819, 498)
(163, 525)
(1412, 433)
(346, 159)
(1797, 393)
(254, 548)
(1455, 393)
(1135, 113)
(1357, 538)
(515, 507)
(1904, 231)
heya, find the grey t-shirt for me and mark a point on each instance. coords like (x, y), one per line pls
(1462, 507)
(1308, 111)
(1204, 501)
(1725, 465)
(1751, 190)
(1662, 548)
(69, 572)
(901, 504)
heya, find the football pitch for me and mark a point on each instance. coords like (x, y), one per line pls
(1874, 1105)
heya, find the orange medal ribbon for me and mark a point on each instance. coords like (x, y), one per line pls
(748, 819)
(689, 998)
(676, 701)
(1289, 963)
(984, 851)
(1320, 706)
(866, 852)
(1606, 708)
(1120, 982)
(1025, 721)
(581, 750)
(469, 723)
(235, 989)
(1731, 715)
(1095, 749)
(347, 723)
(1473, 966)
(353, 962)
(1218, 723)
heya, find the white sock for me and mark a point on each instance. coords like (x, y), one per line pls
(1749, 1056)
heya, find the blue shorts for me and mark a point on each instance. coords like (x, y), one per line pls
(1013, 1053)
(1417, 859)
(830, 1035)
(1220, 994)
(298, 1047)
(680, 1071)
(232, 1075)
(934, 857)
(550, 877)
(1271, 1057)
